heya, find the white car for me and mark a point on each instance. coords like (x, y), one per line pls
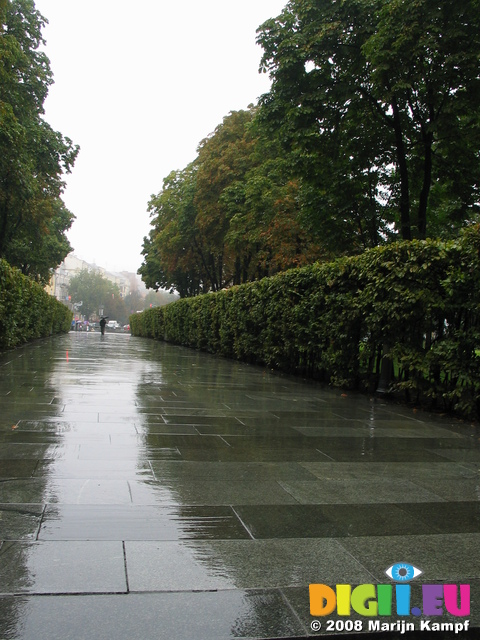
(113, 324)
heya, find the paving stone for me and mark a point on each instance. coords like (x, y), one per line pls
(139, 522)
(221, 615)
(62, 567)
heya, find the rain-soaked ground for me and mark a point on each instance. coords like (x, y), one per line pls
(149, 491)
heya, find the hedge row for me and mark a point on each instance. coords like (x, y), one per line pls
(27, 312)
(414, 304)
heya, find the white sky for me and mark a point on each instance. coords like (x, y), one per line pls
(138, 84)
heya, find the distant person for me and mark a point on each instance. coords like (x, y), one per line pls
(103, 322)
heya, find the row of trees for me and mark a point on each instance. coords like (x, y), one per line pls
(370, 133)
(229, 217)
(33, 157)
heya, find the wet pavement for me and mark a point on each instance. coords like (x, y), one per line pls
(150, 491)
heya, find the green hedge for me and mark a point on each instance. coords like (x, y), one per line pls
(415, 303)
(27, 312)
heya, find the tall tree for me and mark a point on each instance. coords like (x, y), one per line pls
(224, 158)
(33, 157)
(377, 101)
(264, 208)
(173, 253)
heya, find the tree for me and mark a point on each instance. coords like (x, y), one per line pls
(42, 244)
(187, 249)
(377, 102)
(224, 158)
(264, 210)
(33, 157)
(229, 217)
(93, 292)
(173, 250)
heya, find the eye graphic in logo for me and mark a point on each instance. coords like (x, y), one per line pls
(402, 572)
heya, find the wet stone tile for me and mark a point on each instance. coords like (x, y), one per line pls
(90, 469)
(241, 454)
(338, 430)
(186, 418)
(29, 437)
(158, 616)
(117, 417)
(196, 441)
(413, 471)
(58, 428)
(20, 521)
(220, 471)
(174, 566)
(245, 564)
(413, 431)
(447, 517)
(80, 416)
(456, 490)
(459, 455)
(125, 452)
(368, 441)
(62, 567)
(374, 455)
(328, 521)
(26, 451)
(20, 491)
(86, 491)
(241, 429)
(358, 491)
(153, 492)
(222, 426)
(209, 492)
(17, 468)
(161, 428)
(139, 522)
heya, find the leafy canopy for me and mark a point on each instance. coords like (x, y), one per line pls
(231, 216)
(377, 102)
(33, 157)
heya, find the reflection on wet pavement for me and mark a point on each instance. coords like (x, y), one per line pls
(151, 491)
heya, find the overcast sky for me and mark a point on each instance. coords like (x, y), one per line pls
(138, 85)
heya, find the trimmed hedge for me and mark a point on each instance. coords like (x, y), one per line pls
(27, 312)
(415, 303)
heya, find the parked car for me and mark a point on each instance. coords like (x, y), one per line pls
(113, 325)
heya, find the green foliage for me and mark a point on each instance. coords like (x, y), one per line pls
(231, 216)
(415, 302)
(27, 312)
(33, 157)
(96, 292)
(149, 324)
(376, 104)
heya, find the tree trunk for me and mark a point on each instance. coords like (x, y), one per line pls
(402, 165)
(427, 181)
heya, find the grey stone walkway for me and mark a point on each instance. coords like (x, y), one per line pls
(149, 491)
